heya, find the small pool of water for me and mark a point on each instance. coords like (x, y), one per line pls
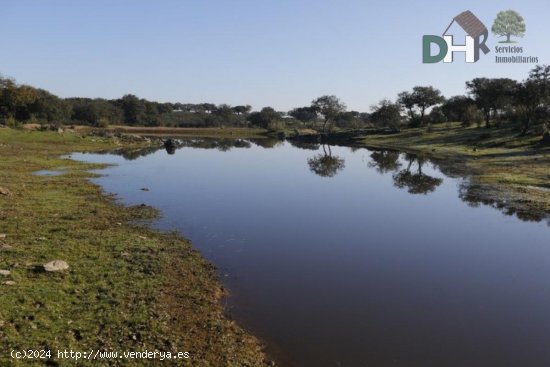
(46, 172)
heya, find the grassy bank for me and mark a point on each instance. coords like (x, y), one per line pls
(505, 170)
(213, 132)
(127, 288)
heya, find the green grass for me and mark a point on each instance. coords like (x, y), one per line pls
(128, 288)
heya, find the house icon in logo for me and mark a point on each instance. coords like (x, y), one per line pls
(476, 36)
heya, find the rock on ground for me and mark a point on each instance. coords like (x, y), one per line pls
(56, 265)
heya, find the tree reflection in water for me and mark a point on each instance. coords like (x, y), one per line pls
(306, 145)
(170, 146)
(325, 164)
(385, 161)
(415, 182)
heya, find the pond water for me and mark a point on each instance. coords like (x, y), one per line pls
(348, 257)
(46, 172)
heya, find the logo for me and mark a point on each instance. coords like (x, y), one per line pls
(476, 36)
(508, 23)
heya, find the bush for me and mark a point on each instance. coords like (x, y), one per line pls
(11, 122)
(436, 116)
(102, 122)
(276, 125)
(472, 115)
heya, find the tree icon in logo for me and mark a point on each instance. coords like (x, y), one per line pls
(508, 23)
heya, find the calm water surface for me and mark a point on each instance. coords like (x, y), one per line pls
(336, 257)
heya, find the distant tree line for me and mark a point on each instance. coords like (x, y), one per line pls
(488, 102)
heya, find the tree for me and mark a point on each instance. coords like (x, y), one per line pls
(207, 107)
(407, 100)
(540, 75)
(304, 114)
(491, 94)
(365, 117)
(502, 91)
(386, 114)
(23, 102)
(455, 108)
(436, 116)
(16, 100)
(479, 90)
(349, 119)
(532, 97)
(266, 118)
(86, 113)
(224, 111)
(508, 23)
(471, 116)
(133, 108)
(7, 87)
(419, 101)
(93, 111)
(329, 107)
(528, 100)
(242, 110)
(50, 108)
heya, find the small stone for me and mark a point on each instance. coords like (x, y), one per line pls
(5, 272)
(143, 237)
(118, 223)
(2, 236)
(4, 191)
(56, 265)
(125, 254)
(9, 282)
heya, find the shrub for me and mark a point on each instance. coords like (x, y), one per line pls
(11, 122)
(276, 125)
(472, 115)
(102, 122)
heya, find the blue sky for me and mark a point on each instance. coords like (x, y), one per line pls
(278, 53)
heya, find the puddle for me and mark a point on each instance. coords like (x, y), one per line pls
(46, 172)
